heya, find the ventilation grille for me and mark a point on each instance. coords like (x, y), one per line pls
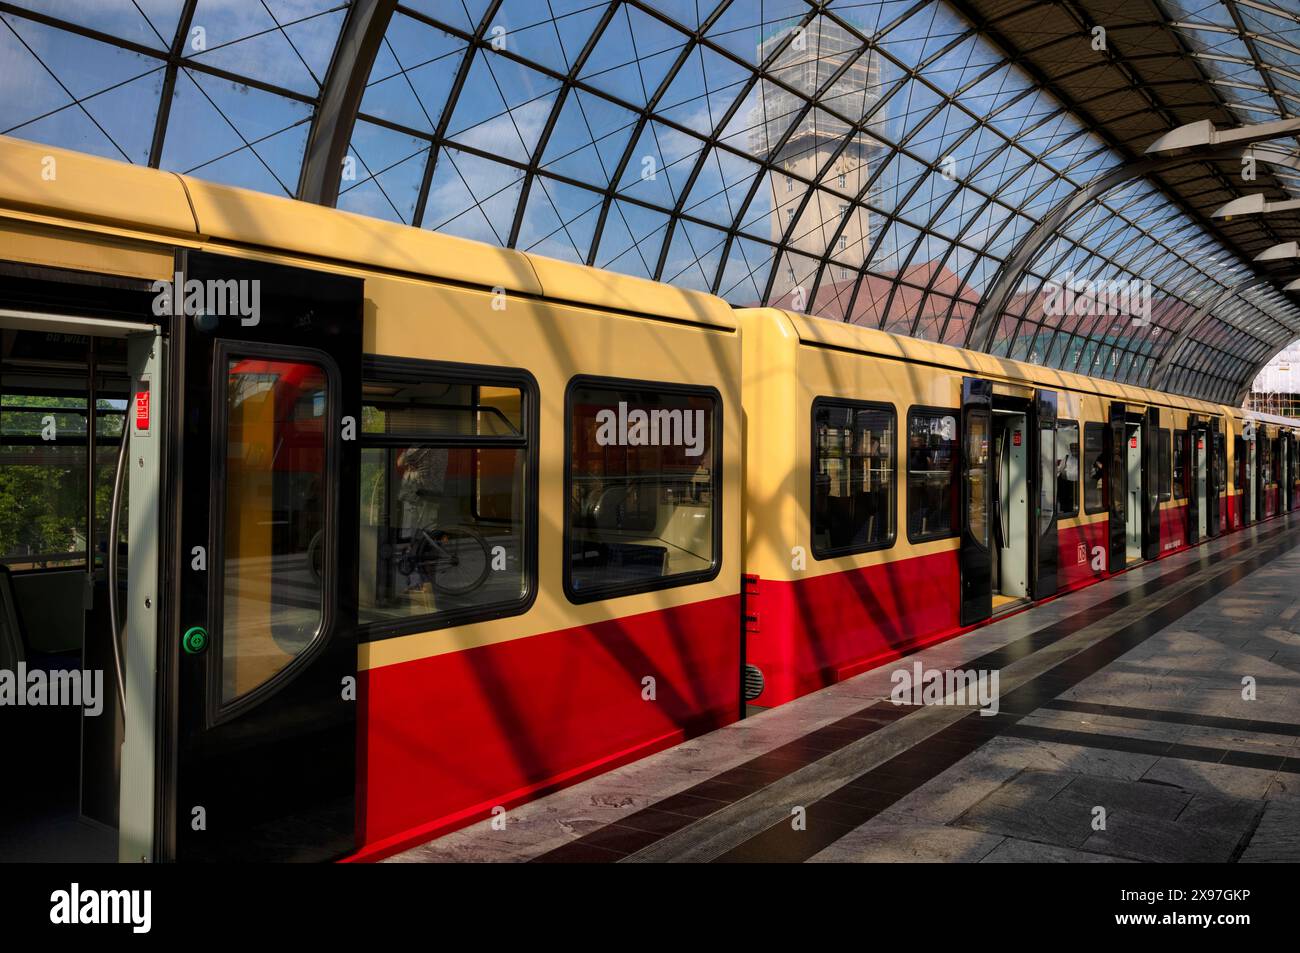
(753, 682)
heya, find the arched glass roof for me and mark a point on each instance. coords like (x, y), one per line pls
(890, 163)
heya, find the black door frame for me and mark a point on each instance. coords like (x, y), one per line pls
(1194, 424)
(975, 550)
(1151, 483)
(1117, 486)
(274, 773)
(1046, 545)
(1212, 488)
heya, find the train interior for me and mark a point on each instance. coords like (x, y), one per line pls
(1136, 505)
(1011, 528)
(1200, 489)
(63, 399)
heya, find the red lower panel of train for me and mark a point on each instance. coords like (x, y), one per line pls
(814, 632)
(443, 740)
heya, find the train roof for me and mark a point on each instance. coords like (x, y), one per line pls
(117, 195)
(820, 332)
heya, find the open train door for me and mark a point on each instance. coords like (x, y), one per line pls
(1210, 436)
(975, 557)
(1117, 484)
(1151, 483)
(1191, 477)
(260, 636)
(1046, 544)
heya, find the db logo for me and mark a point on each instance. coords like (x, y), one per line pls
(1082, 554)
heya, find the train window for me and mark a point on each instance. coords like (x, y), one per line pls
(1094, 466)
(1166, 464)
(447, 494)
(43, 473)
(853, 487)
(1067, 468)
(1179, 485)
(931, 465)
(644, 487)
(274, 516)
(1220, 463)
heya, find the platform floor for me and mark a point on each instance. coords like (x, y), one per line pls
(1125, 697)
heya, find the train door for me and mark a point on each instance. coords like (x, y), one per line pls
(1259, 479)
(1117, 485)
(1201, 477)
(1135, 505)
(1046, 545)
(974, 557)
(261, 630)
(1284, 468)
(1150, 501)
(1191, 473)
(1011, 527)
(77, 582)
(1215, 474)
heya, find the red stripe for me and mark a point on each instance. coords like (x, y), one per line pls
(445, 739)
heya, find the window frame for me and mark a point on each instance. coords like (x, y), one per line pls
(819, 401)
(1178, 487)
(380, 367)
(955, 414)
(1078, 482)
(1103, 506)
(219, 710)
(679, 580)
(1164, 464)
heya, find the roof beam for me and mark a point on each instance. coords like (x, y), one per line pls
(1254, 204)
(1203, 134)
(984, 325)
(1283, 251)
(345, 83)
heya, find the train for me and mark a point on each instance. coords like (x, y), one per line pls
(439, 527)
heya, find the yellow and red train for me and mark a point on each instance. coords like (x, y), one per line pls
(425, 528)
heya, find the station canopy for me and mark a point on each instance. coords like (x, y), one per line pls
(974, 173)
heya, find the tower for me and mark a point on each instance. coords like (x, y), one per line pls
(832, 221)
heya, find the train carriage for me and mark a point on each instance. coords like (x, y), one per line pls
(376, 532)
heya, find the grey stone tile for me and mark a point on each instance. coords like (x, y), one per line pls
(1135, 797)
(1223, 779)
(1143, 837)
(1062, 823)
(893, 840)
(1013, 850)
(1277, 838)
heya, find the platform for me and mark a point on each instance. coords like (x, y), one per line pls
(1126, 697)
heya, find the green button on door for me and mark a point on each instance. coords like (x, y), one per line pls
(195, 639)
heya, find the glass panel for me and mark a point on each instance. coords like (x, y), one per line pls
(1094, 498)
(1166, 471)
(442, 527)
(977, 475)
(643, 487)
(441, 408)
(1067, 469)
(1047, 479)
(274, 518)
(931, 461)
(853, 493)
(1179, 484)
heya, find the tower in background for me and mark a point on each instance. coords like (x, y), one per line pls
(834, 220)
